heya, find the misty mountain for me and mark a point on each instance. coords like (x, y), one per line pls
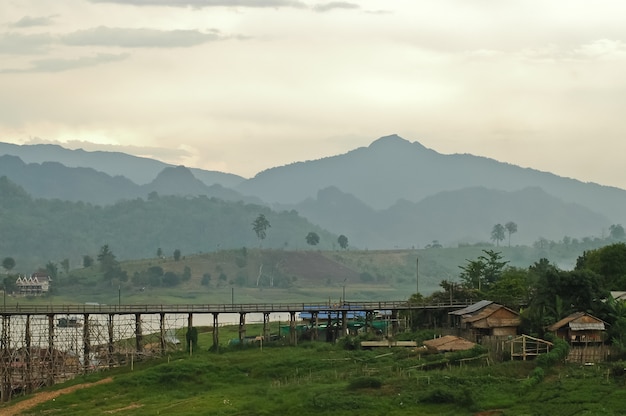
(140, 170)
(393, 169)
(53, 180)
(451, 217)
(393, 193)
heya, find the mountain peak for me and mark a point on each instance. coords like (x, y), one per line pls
(393, 141)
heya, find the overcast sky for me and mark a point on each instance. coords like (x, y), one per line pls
(244, 85)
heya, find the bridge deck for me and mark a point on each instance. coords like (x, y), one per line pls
(223, 308)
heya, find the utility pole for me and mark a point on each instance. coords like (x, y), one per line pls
(417, 277)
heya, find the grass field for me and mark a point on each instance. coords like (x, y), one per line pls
(328, 379)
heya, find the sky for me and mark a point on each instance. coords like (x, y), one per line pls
(240, 86)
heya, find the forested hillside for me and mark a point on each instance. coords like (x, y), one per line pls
(35, 231)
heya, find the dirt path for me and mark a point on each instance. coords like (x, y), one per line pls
(44, 396)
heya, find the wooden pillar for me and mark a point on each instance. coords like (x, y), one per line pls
(28, 356)
(369, 321)
(293, 336)
(138, 334)
(344, 323)
(314, 326)
(5, 355)
(216, 336)
(162, 332)
(86, 344)
(111, 341)
(329, 329)
(394, 322)
(266, 326)
(51, 352)
(242, 327)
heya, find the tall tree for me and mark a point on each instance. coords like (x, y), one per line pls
(8, 263)
(617, 232)
(343, 241)
(511, 228)
(176, 255)
(65, 265)
(312, 239)
(260, 226)
(87, 261)
(497, 234)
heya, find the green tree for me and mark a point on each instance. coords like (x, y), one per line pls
(87, 261)
(159, 252)
(260, 226)
(109, 266)
(617, 232)
(8, 264)
(52, 270)
(65, 265)
(176, 255)
(511, 228)
(343, 241)
(312, 239)
(497, 233)
(186, 274)
(609, 262)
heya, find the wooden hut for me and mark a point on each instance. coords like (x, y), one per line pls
(449, 343)
(485, 318)
(579, 328)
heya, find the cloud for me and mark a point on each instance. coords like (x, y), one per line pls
(199, 4)
(334, 5)
(138, 38)
(60, 65)
(17, 44)
(28, 21)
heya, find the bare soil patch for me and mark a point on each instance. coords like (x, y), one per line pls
(45, 396)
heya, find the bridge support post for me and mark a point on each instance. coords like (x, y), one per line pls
(216, 335)
(293, 336)
(138, 334)
(86, 344)
(163, 344)
(314, 326)
(111, 346)
(369, 321)
(51, 352)
(28, 356)
(242, 327)
(394, 322)
(344, 323)
(266, 326)
(6, 354)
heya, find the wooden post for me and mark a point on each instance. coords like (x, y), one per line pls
(162, 332)
(86, 344)
(344, 323)
(242, 327)
(5, 353)
(314, 326)
(293, 336)
(111, 345)
(138, 334)
(29, 360)
(216, 339)
(266, 326)
(51, 352)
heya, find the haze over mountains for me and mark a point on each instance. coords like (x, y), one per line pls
(391, 194)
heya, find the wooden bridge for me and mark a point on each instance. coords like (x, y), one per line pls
(36, 350)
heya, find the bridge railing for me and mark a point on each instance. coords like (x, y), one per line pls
(18, 309)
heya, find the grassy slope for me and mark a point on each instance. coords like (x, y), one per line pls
(319, 378)
(299, 276)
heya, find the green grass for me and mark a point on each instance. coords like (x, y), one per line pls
(320, 378)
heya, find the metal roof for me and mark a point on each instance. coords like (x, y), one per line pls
(586, 326)
(472, 308)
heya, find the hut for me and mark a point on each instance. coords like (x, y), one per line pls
(449, 343)
(485, 318)
(579, 328)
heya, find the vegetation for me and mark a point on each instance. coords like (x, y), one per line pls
(320, 378)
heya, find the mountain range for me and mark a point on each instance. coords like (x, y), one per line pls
(391, 194)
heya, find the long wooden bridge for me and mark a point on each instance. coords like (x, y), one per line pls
(36, 350)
